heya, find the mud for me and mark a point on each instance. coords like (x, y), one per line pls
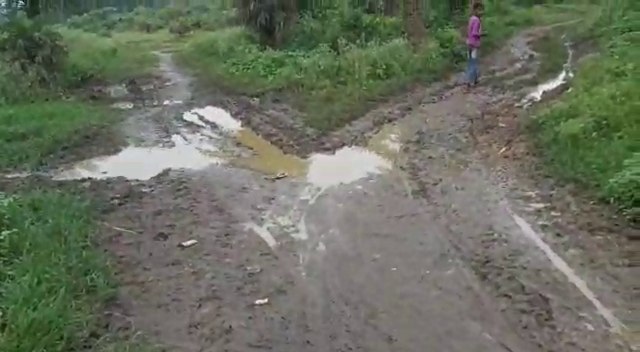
(414, 226)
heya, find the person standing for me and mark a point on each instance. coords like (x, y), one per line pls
(474, 33)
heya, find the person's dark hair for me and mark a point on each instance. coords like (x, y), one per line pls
(478, 5)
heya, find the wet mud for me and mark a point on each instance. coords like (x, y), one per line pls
(413, 226)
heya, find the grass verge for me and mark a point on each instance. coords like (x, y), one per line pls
(51, 277)
(592, 136)
(31, 133)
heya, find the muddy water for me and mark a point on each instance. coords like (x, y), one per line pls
(208, 146)
(140, 163)
(562, 78)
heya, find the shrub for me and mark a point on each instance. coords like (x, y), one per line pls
(92, 57)
(35, 49)
(350, 25)
(105, 21)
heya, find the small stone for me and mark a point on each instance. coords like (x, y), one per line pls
(261, 302)
(187, 244)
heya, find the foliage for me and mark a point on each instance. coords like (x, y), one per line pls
(177, 19)
(39, 61)
(592, 136)
(33, 48)
(333, 26)
(96, 58)
(51, 278)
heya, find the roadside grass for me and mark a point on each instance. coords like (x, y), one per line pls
(591, 136)
(52, 278)
(31, 133)
(54, 282)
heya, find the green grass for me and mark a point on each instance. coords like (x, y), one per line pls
(592, 136)
(31, 133)
(52, 279)
(110, 59)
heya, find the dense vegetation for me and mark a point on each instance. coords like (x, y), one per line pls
(328, 59)
(592, 135)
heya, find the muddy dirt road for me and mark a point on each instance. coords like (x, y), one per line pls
(408, 239)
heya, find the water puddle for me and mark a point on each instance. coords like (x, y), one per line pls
(321, 170)
(139, 163)
(562, 78)
(345, 166)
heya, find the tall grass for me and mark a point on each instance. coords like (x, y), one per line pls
(107, 59)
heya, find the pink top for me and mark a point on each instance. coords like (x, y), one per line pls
(473, 32)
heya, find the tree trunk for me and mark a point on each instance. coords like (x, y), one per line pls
(456, 7)
(32, 8)
(290, 9)
(390, 8)
(413, 21)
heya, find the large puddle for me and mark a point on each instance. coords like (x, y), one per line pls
(139, 163)
(206, 147)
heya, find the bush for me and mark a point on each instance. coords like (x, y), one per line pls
(350, 25)
(177, 19)
(96, 58)
(38, 61)
(36, 50)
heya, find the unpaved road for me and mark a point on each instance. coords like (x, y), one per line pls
(414, 241)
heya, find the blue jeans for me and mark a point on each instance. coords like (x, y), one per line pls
(472, 66)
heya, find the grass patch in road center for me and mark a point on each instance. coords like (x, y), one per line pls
(94, 57)
(31, 133)
(51, 278)
(338, 61)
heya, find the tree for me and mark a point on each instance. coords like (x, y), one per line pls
(413, 21)
(456, 7)
(269, 19)
(32, 8)
(390, 8)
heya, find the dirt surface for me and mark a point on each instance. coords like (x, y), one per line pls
(427, 236)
